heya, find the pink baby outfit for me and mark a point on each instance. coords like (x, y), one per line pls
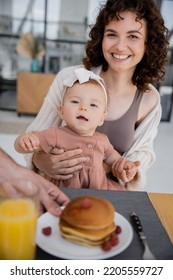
(95, 148)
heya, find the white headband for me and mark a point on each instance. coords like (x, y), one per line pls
(83, 75)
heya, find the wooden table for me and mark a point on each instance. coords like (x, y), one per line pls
(163, 204)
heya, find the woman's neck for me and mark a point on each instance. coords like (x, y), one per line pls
(117, 83)
(121, 92)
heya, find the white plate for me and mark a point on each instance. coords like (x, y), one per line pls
(57, 246)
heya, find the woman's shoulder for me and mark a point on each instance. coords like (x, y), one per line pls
(65, 71)
(150, 100)
(151, 97)
(63, 74)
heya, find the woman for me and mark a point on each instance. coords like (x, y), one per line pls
(128, 49)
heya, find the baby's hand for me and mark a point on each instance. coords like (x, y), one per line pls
(124, 169)
(131, 168)
(29, 142)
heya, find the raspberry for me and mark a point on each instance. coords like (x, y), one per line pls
(106, 246)
(47, 231)
(118, 230)
(86, 203)
(114, 240)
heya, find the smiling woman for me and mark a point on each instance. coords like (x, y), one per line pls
(127, 48)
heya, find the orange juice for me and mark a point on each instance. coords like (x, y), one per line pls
(17, 229)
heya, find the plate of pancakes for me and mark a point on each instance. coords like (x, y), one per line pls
(83, 226)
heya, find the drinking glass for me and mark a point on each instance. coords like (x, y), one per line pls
(18, 219)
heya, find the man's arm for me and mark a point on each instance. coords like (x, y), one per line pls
(10, 171)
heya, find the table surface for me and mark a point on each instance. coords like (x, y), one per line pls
(163, 204)
(155, 211)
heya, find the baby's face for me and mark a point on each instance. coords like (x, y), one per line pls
(84, 107)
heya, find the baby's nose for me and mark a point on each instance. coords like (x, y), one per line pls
(83, 108)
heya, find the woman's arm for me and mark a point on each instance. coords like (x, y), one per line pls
(142, 148)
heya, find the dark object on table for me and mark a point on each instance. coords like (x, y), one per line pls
(147, 254)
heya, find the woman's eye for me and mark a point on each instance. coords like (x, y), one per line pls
(111, 35)
(133, 37)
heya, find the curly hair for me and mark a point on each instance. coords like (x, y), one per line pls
(151, 68)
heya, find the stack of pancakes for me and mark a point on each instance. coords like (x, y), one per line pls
(87, 220)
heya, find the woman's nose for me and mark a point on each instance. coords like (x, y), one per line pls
(121, 44)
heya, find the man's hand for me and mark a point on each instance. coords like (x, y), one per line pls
(51, 197)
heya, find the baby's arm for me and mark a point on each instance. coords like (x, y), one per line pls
(27, 143)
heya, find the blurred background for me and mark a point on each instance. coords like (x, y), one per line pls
(60, 25)
(61, 28)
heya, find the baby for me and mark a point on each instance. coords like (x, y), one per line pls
(83, 109)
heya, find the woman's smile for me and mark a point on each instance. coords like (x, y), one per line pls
(121, 57)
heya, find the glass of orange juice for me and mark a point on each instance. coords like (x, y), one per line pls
(18, 219)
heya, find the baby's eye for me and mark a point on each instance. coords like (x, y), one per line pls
(93, 105)
(74, 101)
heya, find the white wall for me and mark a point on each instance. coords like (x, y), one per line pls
(74, 11)
(6, 7)
(167, 12)
(93, 9)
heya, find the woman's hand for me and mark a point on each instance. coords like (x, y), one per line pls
(59, 164)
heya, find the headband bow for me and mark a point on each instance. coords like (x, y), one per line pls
(83, 75)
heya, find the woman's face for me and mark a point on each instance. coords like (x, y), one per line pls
(124, 42)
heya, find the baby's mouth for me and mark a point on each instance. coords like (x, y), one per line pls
(82, 118)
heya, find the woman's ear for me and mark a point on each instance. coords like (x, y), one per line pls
(61, 111)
